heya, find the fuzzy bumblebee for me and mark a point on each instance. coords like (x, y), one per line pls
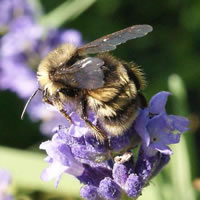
(109, 87)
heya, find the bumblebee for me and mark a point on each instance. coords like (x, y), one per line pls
(109, 87)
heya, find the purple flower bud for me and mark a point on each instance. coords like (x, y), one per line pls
(94, 175)
(109, 190)
(90, 192)
(133, 186)
(145, 165)
(120, 174)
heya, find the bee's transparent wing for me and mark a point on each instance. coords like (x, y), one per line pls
(109, 42)
(88, 73)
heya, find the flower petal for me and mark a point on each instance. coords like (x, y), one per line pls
(140, 126)
(158, 102)
(178, 123)
(162, 148)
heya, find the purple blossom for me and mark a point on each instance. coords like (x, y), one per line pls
(5, 182)
(157, 129)
(109, 190)
(120, 174)
(90, 192)
(12, 10)
(94, 175)
(61, 160)
(133, 186)
(109, 171)
(16, 46)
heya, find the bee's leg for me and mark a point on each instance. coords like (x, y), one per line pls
(57, 103)
(46, 98)
(59, 106)
(66, 115)
(98, 133)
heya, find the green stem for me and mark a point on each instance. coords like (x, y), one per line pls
(180, 167)
(67, 11)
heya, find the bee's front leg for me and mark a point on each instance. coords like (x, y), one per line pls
(97, 132)
(56, 102)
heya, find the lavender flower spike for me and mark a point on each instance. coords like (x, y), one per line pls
(110, 171)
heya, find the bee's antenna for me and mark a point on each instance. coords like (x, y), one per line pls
(27, 103)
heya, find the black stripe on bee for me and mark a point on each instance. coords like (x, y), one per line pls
(132, 76)
(70, 92)
(124, 112)
(121, 90)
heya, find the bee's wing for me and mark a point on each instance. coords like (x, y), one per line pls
(87, 73)
(109, 42)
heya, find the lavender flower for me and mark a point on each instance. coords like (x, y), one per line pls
(156, 128)
(107, 173)
(12, 10)
(5, 181)
(61, 159)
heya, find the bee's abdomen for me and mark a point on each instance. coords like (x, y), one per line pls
(117, 114)
(116, 103)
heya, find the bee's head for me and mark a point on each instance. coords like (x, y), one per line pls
(52, 61)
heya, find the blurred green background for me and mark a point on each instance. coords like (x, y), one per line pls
(170, 57)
